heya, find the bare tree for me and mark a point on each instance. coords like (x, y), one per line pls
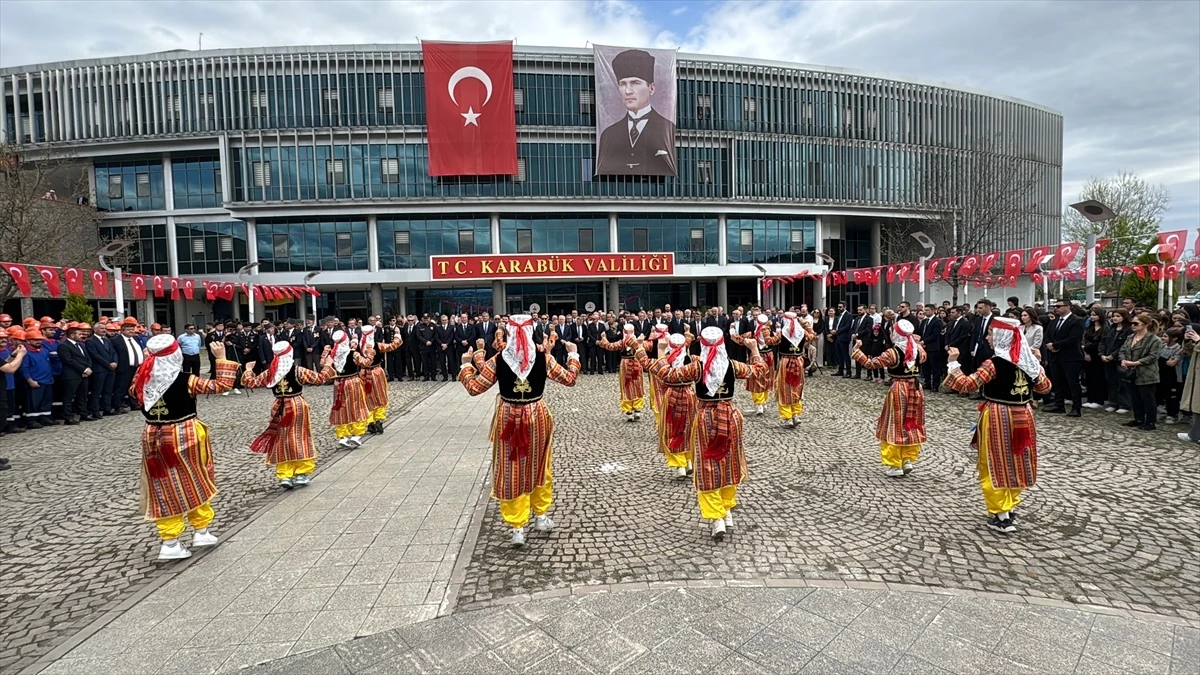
(1138, 206)
(968, 203)
(45, 216)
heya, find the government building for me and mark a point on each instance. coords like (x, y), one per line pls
(315, 159)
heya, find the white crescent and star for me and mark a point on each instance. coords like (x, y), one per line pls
(470, 73)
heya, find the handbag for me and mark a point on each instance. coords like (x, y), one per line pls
(1126, 374)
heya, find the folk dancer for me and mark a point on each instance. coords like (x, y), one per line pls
(716, 435)
(287, 442)
(375, 382)
(759, 385)
(1005, 435)
(901, 428)
(633, 389)
(657, 390)
(178, 479)
(522, 429)
(789, 380)
(349, 414)
(678, 406)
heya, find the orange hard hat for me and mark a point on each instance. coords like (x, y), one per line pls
(72, 325)
(16, 333)
(85, 326)
(33, 334)
(5, 317)
(129, 321)
(47, 321)
(155, 326)
(30, 321)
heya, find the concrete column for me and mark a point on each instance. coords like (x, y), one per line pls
(26, 310)
(876, 293)
(376, 299)
(498, 301)
(402, 294)
(373, 245)
(819, 289)
(614, 295)
(495, 227)
(722, 292)
(695, 291)
(722, 243)
(304, 309)
(613, 234)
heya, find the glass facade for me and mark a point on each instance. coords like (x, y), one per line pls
(295, 244)
(693, 238)
(448, 300)
(130, 186)
(211, 248)
(408, 243)
(196, 182)
(554, 297)
(537, 233)
(150, 256)
(771, 240)
(638, 296)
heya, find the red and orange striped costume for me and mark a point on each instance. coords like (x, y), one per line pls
(903, 418)
(375, 382)
(288, 437)
(789, 376)
(633, 389)
(349, 395)
(177, 472)
(759, 383)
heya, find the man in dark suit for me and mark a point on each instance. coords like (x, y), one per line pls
(675, 323)
(410, 351)
(980, 349)
(958, 336)
(463, 332)
(427, 347)
(129, 357)
(266, 346)
(443, 337)
(486, 330)
(1062, 347)
(595, 328)
(76, 369)
(642, 142)
(306, 344)
(933, 371)
(104, 365)
(860, 329)
(841, 339)
(217, 334)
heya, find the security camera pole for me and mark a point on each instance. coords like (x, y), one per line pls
(1095, 212)
(109, 250)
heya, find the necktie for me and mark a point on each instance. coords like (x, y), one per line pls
(634, 134)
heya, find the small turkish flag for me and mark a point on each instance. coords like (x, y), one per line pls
(210, 290)
(174, 288)
(987, 261)
(1171, 244)
(20, 276)
(1035, 258)
(1013, 261)
(99, 283)
(949, 262)
(891, 274)
(50, 276)
(903, 271)
(189, 289)
(227, 291)
(138, 283)
(1193, 269)
(74, 277)
(1064, 256)
(931, 273)
(158, 286)
(469, 108)
(969, 266)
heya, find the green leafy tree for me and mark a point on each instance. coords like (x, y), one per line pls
(1139, 207)
(77, 309)
(1144, 291)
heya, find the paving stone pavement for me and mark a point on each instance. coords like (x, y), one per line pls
(1112, 521)
(730, 629)
(72, 542)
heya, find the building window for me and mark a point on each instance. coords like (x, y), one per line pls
(174, 105)
(262, 174)
(872, 118)
(870, 176)
(847, 116)
(746, 239)
(403, 243)
(335, 171)
(143, 185)
(524, 241)
(809, 111)
(345, 248)
(797, 240)
(210, 106)
(587, 101)
(115, 189)
(280, 244)
(386, 99)
(704, 107)
(587, 238)
(466, 241)
(814, 173)
(704, 172)
(198, 246)
(226, 244)
(390, 168)
(586, 165)
(749, 109)
(641, 239)
(329, 102)
(217, 180)
(519, 100)
(697, 239)
(258, 102)
(520, 169)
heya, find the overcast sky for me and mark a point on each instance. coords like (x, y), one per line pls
(1126, 76)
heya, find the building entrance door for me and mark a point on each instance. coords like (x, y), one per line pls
(560, 304)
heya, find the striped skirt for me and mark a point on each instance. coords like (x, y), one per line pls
(716, 446)
(762, 383)
(521, 445)
(632, 385)
(375, 385)
(1007, 437)
(657, 394)
(675, 421)
(789, 380)
(349, 402)
(903, 418)
(177, 469)
(288, 437)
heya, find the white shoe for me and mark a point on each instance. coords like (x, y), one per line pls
(637, 415)
(203, 538)
(1184, 437)
(543, 523)
(345, 443)
(356, 441)
(629, 417)
(224, 393)
(173, 551)
(894, 472)
(1122, 411)
(237, 392)
(718, 529)
(681, 473)
(1091, 405)
(286, 483)
(302, 479)
(729, 521)
(907, 467)
(1110, 409)
(518, 537)
(1170, 420)
(760, 411)
(792, 423)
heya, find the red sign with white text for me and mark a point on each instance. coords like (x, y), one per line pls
(541, 266)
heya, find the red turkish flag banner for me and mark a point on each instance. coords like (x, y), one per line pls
(227, 292)
(1036, 277)
(158, 286)
(1065, 255)
(174, 288)
(1155, 273)
(469, 108)
(1102, 244)
(949, 266)
(99, 283)
(74, 277)
(50, 276)
(1171, 244)
(138, 283)
(20, 276)
(1013, 261)
(987, 261)
(210, 290)
(903, 271)
(1140, 270)
(891, 274)
(1035, 258)
(1173, 270)
(969, 266)
(931, 273)
(1193, 269)
(189, 289)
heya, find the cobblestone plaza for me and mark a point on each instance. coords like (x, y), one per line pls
(395, 560)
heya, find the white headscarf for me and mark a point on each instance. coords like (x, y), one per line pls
(1010, 345)
(792, 330)
(284, 361)
(629, 329)
(678, 353)
(902, 337)
(714, 359)
(368, 335)
(763, 322)
(163, 365)
(341, 349)
(520, 352)
(659, 333)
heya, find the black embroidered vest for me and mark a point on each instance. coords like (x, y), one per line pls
(724, 392)
(289, 386)
(176, 404)
(377, 360)
(786, 348)
(349, 370)
(901, 371)
(1010, 386)
(528, 390)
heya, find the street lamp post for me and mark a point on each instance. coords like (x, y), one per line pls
(1161, 256)
(1095, 212)
(1046, 279)
(308, 283)
(109, 250)
(244, 272)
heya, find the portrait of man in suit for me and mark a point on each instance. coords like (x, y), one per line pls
(642, 141)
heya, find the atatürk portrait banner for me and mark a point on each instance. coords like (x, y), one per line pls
(635, 111)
